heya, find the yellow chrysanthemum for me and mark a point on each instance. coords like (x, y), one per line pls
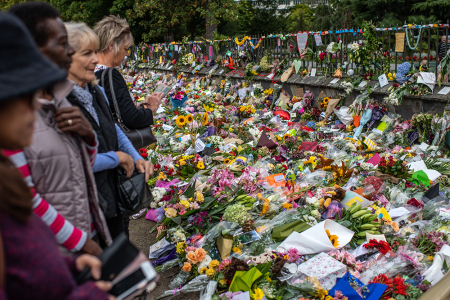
(202, 270)
(223, 281)
(161, 176)
(185, 203)
(214, 263)
(237, 250)
(258, 294)
(210, 272)
(200, 165)
(200, 197)
(189, 118)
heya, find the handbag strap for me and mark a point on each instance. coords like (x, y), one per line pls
(2, 265)
(113, 95)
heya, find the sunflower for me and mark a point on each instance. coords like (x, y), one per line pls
(334, 240)
(227, 161)
(325, 100)
(205, 119)
(180, 121)
(189, 118)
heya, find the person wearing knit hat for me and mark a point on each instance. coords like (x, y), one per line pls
(30, 264)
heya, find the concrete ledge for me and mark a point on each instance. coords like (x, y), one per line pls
(433, 103)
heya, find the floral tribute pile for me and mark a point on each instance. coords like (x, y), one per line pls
(260, 195)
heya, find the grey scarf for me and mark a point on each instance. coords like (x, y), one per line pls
(86, 98)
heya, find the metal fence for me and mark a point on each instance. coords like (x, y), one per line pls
(427, 48)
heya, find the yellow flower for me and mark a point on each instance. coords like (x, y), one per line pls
(258, 294)
(205, 119)
(185, 203)
(325, 100)
(189, 118)
(334, 240)
(268, 279)
(237, 250)
(268, 92)
(200, 197)
(182, 162)
(200, 165)
(430, 257)
(202, 270)
(223, 281)
(210, 272)
(286, 205)
(227, 161)
(161, 176)
(180, 121)
(326, 168)
(170, 212)
(261, 228)
(180, 247)
(214, 263)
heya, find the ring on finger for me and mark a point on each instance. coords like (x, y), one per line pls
(70, 122)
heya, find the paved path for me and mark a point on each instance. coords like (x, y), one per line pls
(142, 239)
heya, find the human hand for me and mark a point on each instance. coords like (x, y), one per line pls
(154, 100)
(145, 167)
(126, 162)
(105, 286)
(87, 260)
(71, 119)
(91, 247)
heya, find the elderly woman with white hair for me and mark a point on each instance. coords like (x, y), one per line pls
(115, 41)
(114, 149)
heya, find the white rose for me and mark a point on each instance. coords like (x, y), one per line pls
(355, 46)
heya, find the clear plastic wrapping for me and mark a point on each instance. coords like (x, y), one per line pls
(208, 292)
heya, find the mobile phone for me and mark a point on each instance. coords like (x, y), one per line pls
(163, 88)
(134, 281)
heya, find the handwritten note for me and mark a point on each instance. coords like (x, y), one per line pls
(318, 40)
(199, 145)
(313, 72)
(383, 80)
(399, 41)
(444, 91)
(362, 84)
(336, 80)
(298, 92)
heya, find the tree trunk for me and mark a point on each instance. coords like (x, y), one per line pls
(210, 28)
(210, 23)
(168, 37)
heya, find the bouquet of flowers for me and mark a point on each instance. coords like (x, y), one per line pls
(394, 167)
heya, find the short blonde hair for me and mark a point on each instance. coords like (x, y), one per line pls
(113, 29)
(80, 34)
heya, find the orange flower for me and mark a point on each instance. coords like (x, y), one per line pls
(187, 267)
(196, 256)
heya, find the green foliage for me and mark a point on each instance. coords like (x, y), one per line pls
(301, 19)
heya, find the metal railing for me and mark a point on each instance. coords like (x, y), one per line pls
(427, 48)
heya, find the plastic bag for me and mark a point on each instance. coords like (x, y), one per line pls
(212, 234)
(179, 280)
(209, 291)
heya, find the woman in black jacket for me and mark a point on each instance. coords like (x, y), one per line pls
(115, 40)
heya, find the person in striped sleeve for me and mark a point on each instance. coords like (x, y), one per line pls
(58, 164)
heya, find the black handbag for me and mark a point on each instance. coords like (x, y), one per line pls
(134, 193)
(140, 138)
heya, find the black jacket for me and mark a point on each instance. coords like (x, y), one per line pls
(106, 180)
(133, 117)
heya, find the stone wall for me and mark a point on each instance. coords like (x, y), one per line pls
(432, 103)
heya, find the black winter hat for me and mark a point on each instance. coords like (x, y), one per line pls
(23, 68)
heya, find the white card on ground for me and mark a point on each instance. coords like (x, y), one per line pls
(383, 80)
(243, 296)
(313, 72)
(444, 91)
(362, 84)
(167, 127)
(336, 80)
(199, 145)
(398, 212)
